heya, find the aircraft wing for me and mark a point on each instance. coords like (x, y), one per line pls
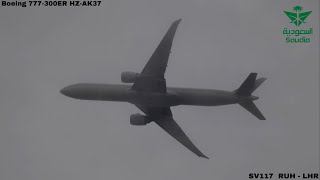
(163, 117)
(152, 75)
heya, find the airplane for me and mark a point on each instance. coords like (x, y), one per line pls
(150, 94)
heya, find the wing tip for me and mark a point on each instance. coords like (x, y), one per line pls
(177, 21)
(203, 156)
(200, 154)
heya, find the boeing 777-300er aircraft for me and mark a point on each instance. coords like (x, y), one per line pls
(151, 95)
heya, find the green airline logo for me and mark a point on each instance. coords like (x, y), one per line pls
(297, 17)
(298, 35)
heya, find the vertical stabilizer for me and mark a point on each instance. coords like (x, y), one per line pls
(247, 86)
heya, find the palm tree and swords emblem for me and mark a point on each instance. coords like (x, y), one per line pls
(297, 17)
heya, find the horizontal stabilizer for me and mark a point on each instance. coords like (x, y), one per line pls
(252, 108)
(258, 83)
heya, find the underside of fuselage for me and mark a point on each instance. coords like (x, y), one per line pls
(173, 97)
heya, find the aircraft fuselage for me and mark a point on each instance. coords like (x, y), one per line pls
(173, 97)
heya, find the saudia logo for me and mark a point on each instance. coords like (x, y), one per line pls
(297, 18)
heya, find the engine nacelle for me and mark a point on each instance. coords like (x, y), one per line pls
(138, 119)
(129, 77)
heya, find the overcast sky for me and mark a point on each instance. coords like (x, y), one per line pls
(47, 136)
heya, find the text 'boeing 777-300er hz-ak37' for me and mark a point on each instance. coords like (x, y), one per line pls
(151, 95)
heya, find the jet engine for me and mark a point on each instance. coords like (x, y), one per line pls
(139, 119)
(129, 77)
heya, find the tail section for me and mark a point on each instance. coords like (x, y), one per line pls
(246, 89)
(247, 86)
(252, 108)
(258, 83)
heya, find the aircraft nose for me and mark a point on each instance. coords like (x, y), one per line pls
(66, 91)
